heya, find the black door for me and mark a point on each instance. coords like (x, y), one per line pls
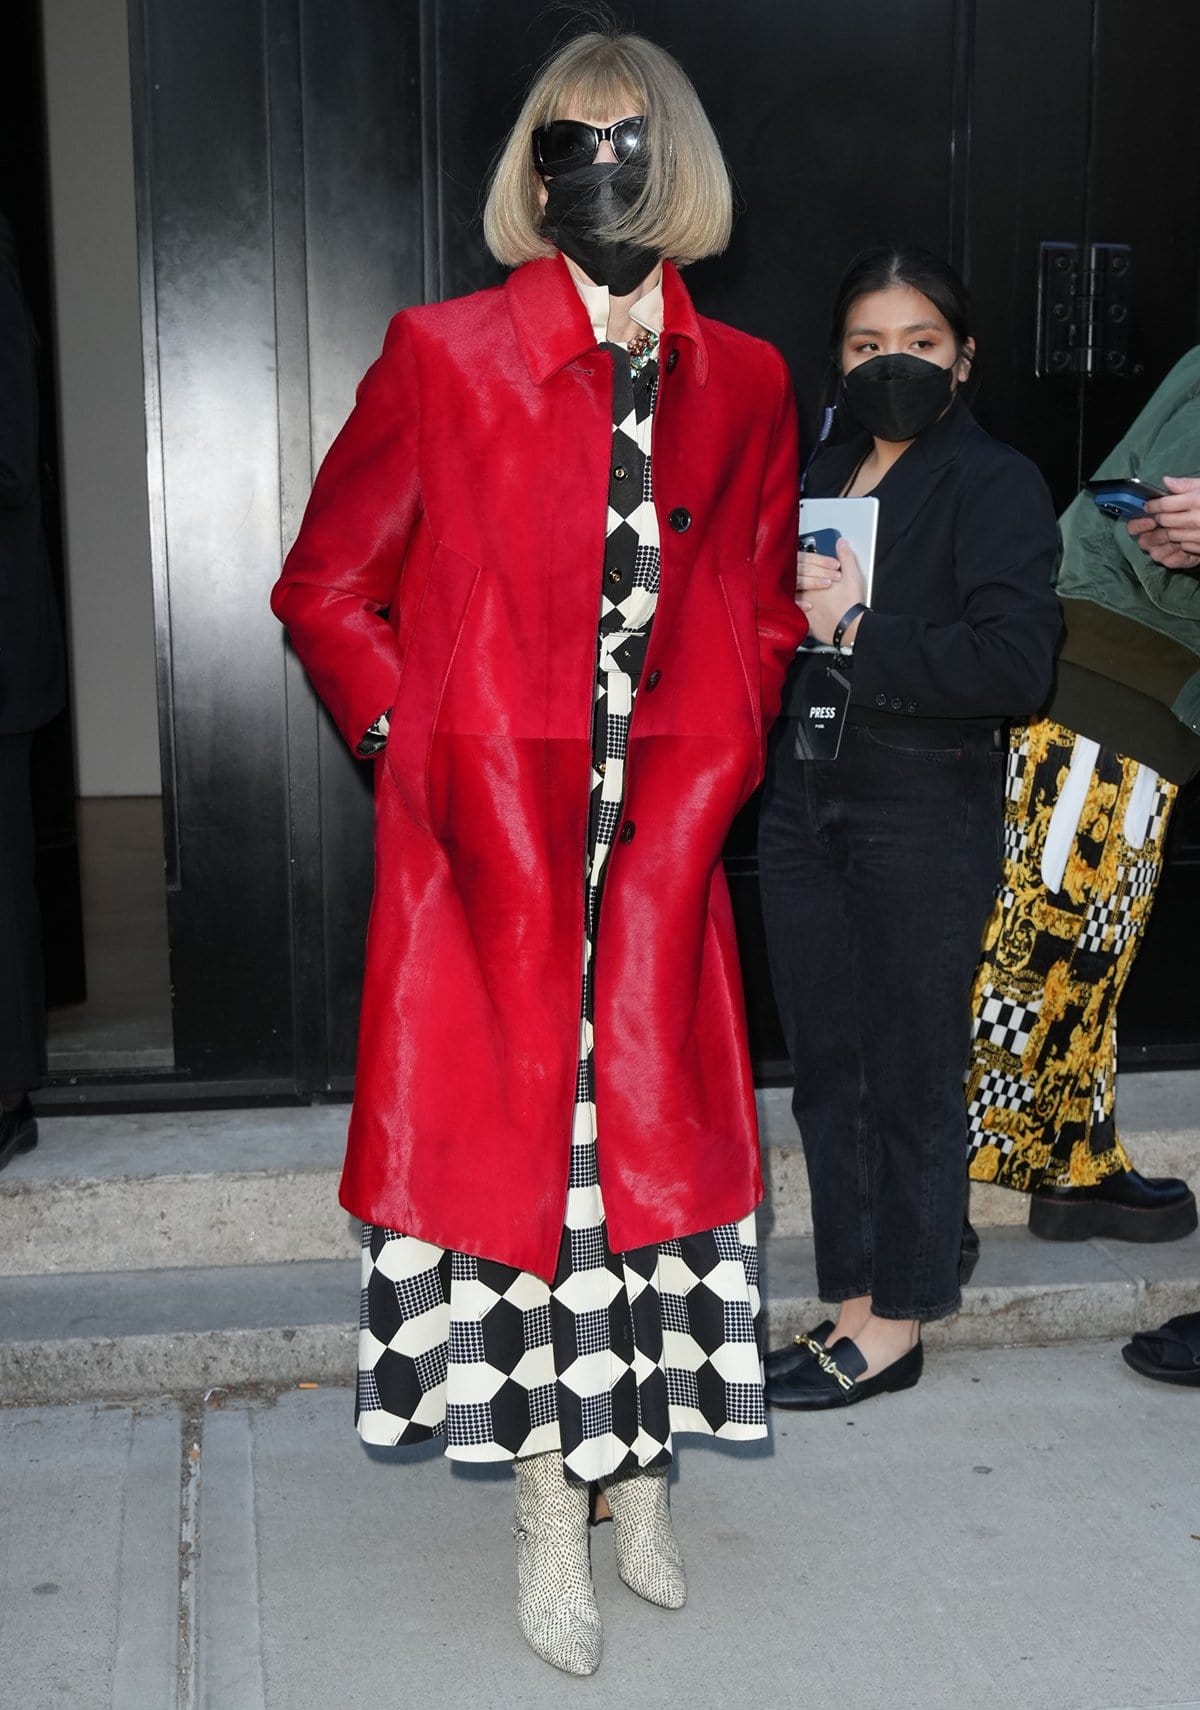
(281, 221)
(23, 176)
(306, 168)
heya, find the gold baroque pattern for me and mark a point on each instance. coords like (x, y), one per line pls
(1043, 1060)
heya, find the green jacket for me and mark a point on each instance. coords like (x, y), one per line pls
(1130, 623)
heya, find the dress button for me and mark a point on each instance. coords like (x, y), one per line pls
(672, 360)
(614, 575)
(653, 680)
(897, 703)
(881, 700)
(680, 520)
(627, 831)
(912, 706)
(602, 767)
(620, 472)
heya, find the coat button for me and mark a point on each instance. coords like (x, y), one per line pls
(653, 680)
(620, 472)
(897, 703)
(614, 575)
(627, 831)
(672, 360)
(881, 700)
(680, 520)
(912, 706)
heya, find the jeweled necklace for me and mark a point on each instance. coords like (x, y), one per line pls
(641, 350)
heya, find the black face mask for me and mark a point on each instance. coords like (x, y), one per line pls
(580, 204)
(898, 397)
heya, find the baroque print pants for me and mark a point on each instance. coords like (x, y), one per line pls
(1083, 846)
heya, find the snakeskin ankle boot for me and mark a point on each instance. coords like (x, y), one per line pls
(648, 1557)
(556, 1604)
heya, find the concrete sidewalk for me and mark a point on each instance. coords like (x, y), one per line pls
(1020, 1532)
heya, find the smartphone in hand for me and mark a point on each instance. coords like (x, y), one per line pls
(1123, 496)
(822, 540)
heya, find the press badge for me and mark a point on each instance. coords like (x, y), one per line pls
(821, 697)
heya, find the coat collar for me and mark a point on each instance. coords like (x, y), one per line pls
(908, 483)
(552, 323)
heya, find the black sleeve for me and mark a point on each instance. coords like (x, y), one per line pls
(996, 659)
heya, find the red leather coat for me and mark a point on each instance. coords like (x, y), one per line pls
(449, 568)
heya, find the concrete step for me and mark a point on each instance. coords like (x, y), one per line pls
(194, 1188)
(174, 1190)
(74, 1337)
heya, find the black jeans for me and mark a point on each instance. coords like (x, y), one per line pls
(878, 870)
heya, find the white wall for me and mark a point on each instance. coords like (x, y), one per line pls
(109, 591)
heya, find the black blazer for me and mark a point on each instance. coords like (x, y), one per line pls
(964, 620)
(31, 655)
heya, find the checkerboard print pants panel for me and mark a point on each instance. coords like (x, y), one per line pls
(1083, 844)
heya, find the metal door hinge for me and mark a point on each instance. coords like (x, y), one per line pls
(1083, 309)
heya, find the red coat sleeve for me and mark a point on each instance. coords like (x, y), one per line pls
(340, 576)
(782, 626)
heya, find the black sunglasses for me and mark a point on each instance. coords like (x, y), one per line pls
(564, 144)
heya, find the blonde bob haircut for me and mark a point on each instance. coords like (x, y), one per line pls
(685, 210)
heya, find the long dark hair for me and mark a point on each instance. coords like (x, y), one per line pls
(879, 269)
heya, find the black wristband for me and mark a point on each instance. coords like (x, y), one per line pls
(846, 619)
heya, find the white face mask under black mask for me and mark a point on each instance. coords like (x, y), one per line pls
(581, 204)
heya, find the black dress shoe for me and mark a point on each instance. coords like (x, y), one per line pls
(18, 1131)
(797, 1352)
(834, 1378)
(1124, 1207)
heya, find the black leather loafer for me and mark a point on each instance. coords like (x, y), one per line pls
(797, 1352)
(18, 1131)
(1123, 1207)
(834, 1378)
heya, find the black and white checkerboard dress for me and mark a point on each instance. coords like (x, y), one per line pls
(624, 1348)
